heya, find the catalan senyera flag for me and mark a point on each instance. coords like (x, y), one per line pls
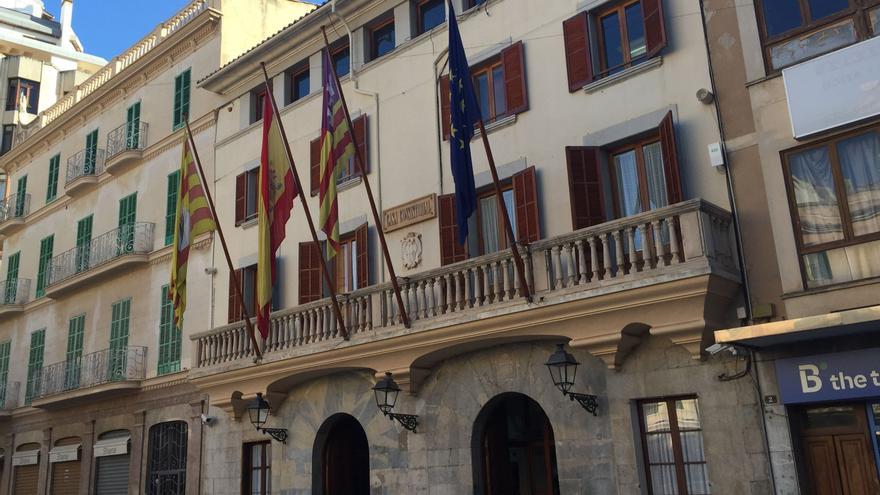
(337, 150)
(193, 217)
(276, 194)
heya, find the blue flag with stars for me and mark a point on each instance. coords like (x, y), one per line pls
(464, 114)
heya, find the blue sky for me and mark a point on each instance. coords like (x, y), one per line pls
(108, 27)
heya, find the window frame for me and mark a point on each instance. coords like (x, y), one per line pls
(257, 98)
(8, 137)
(47, 245)
(503, 241)
(620, 9)
(341, 47)
(182, 99)
(170, 336)
(375, 27)
(336, 264)
(290, 78)
(265, 467)
(420, 27)
(54, 174)
(252, 177)
(30, 85)
(638, 145)
(488, 67)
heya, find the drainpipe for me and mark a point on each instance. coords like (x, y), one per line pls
(437, 118)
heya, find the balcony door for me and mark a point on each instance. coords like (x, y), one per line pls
(73, 361)
(120, 313)
(342, 455)
(12, 264)
(133, 127)
(127, 215)
(83, 243)
(90, 160)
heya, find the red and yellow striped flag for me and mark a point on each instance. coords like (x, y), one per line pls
(193, 217)
(337, 149)
(276, 194)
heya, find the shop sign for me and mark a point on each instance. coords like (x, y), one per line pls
(829, 377)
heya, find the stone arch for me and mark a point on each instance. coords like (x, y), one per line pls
(341, 457)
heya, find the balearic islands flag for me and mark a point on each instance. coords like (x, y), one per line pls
(276, 194)
(193, 217)
(337, 149)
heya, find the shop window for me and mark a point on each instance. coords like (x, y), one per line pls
(349, 268)
(380, 37)
(256, 473)
(22, 95)
(834, 196)
(166, 461)
(429, 14)
(349, 171)
(672, 445)
(341, 458)
(298, 84)
(246, 196)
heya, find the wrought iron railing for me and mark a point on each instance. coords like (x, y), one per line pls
(15, 206)
(97, 368)
(128, 136)
(15, 291)
(9, 395)
(136, 238)
(86, 163)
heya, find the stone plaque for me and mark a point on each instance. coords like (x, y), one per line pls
(412, 212)
(411, 250)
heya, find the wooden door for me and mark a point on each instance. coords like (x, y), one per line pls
(822, 465)
(856, 465)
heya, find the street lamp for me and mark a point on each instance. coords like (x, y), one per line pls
(563, 369)
(258, 410)
(386, 391)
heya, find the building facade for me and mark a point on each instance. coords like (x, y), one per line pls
(94, 373)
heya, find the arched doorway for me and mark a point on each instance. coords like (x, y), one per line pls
(166, 462)
(513, 448)
(341, 458)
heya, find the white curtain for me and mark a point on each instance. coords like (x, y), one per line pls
(815, 196)
(860, 166)
(489, 225)
(657, 193)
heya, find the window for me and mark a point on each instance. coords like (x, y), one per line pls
(10, 289)
(91, 153)
(381, 37)
(795, 30)
(166, 461)
(350, 266)
(73, 358)
(627, 32)
(52, 187)
(247, 282)
(120, 314)
(133, 138)
(169, 336)
(35, 365)
(21, 198)
(492, 233)
(834, 193)
(5, 347)
(469, 4)
(246, 196)
(429, 14)
(257, 100)
(349, 171)
(127, 216)
(341, 56)
(257, 469)
(672, 445)
(46, 246)
(83, 243)
(500, 86)
(181, 98)
(23, 95)
(875, 21)
(345, 264)
(638, 178)
(297, 80)
(8, 136)
(171, 205)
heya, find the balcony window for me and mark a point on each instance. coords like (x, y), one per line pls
(492, 233)
(350, 266)
(35, 365)
(381, 37)
(298, 85)
(489, 87)
(23, 95)
(349, 171)
(247, 283)
(181, 98)
(429, 14)
(834, 195)
(246, 196)
(345, 264)
(622, 37)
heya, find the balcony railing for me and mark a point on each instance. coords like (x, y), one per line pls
(15, 206)
(128, 239)
(641, 249)
(9, 395)
(14, 291)
(86, 163)
(127, 137)
(98, 368)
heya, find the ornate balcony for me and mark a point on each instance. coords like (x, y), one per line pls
(100, 374)
(8, 398)
(83, 171)
(670, 254)
(108, 253)
(14, 294)
(13, 211)
(125, 146)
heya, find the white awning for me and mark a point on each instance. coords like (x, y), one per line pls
(25, 458)
(111, 446)
(64, 453)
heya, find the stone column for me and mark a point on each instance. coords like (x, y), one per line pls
(194, 449)
(136, 468)
(43, 480)
(87, 458)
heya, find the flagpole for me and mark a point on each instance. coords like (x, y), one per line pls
(379, 228)
(302, 196)
(235, 282)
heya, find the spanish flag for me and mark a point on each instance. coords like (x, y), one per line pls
(193, 217)
(276, 194)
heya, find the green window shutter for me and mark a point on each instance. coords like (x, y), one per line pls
(91, 158)
(119, 320)
(169, 336)
(35, 365)
(4, 369)
(181, 98)
(83, 243)
(20, 199)
(11, 286)
(127, 215)
(46, 246)
(52, 188)
(132, 126)
(73, 360)
(171, 205)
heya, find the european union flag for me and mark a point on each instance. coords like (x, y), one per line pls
(464, 114)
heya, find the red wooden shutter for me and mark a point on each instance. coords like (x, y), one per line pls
(670, 160)
(234, 311)
(525, 198)
(309, 272)
(363, 256)
(655, 31)
(240, 198)
(577, 52)
(363, 139)
(450, 250)
(315, 165)
(513, 61)
(585, 186)
(445, 113)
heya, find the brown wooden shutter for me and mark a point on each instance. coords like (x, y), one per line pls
(363, 256)
(363, 138)
(513, 61)
(26, 478)
(577, 52)
(655, 31)
(234, 311)
(309, 272)
(315, 165)
(240, 198)
(525, 198)
(66, 477)
(450, 250)
(670, 160)
(445, 112)
(585, 186)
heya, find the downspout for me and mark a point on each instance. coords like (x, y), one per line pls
(437, 118)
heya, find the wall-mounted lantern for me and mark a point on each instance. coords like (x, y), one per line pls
(258, 410)
(563, 369)
(386, 391)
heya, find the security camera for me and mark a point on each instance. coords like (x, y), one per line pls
(208, 420)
